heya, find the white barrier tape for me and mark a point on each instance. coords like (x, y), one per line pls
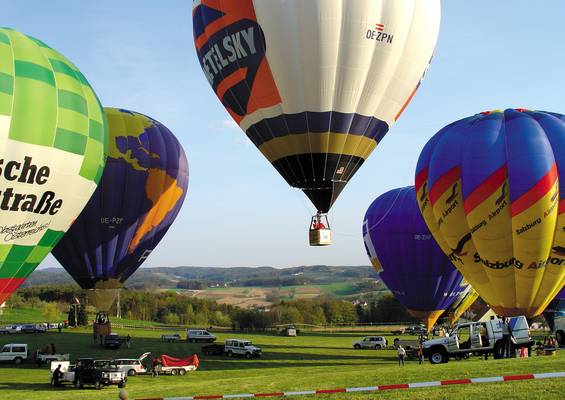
(465, 381)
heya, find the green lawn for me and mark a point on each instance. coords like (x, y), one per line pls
(310, 361)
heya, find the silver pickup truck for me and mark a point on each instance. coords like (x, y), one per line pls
(478, 338)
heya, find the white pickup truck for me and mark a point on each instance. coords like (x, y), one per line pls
(67, 370)
(14, 352)
(478, 338)
(45, 357)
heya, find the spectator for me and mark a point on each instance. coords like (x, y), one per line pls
(401, 354)
(421, 354)
(128, 341)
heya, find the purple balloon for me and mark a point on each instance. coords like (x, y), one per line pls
(408, 259)
(141, 192)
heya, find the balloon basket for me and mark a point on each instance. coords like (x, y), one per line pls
(320, 233)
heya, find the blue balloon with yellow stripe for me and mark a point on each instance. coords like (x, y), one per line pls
(489, 189)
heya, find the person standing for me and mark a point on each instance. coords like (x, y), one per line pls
(506, 337)
(128, 341)
(401, 354)
(421, 354)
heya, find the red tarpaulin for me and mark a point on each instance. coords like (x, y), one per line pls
(169, 361)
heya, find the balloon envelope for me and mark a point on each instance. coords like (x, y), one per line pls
(489, 191)
(142, 189)
(315, 84)
(53, 137)
(407, 258)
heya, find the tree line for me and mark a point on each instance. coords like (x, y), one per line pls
(172, 308)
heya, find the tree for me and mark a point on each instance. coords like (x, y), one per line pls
(171, 319)
(50, 312)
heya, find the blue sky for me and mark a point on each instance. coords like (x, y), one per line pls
(139, 55)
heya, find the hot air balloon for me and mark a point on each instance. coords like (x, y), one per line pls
(54, 139)
(489, 191)
(466, 298)
(315, 85)
(555, 312)
(141, 192)
(408, 260)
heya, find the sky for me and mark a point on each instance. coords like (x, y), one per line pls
(139, 55)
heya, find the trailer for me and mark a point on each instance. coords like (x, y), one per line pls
(176, 366)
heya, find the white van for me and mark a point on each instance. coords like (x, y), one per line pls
(14, 352)
(199, 335)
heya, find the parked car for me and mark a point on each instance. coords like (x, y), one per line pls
(478, 338)
(213, 349)
(174, 337)
(371, 342)
(15, 352)
(199, 335)
(86, 373)
(10, 329)
(415, 330)
(239, 347)
(112, 341)
(559, 327)
(131, 366)
(33, 328)
(67, 370)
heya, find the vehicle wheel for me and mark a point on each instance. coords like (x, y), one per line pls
(132, 372)
(97, 384)
(438, 357)
(248, 355)
(190, 340)
(182, 371)
(378, 347)
(560, 337)
(174, 372)
(78, 384)
(357, 346)
(230, 353)
(18, 360)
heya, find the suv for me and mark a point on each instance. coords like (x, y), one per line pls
(371, 342)
(14, 352)
(199, 335)
(131, 366)
(86, 373)
(238, 347)
(478, 338)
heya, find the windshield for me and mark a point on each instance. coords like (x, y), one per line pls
(247, 343)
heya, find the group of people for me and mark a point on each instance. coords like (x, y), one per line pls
(401, 351)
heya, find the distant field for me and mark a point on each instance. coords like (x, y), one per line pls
(309, 361)
(253, 296)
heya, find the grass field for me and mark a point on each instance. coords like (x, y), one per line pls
(252, 296)
(310, 361)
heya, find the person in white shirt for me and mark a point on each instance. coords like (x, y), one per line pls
(401, 353)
